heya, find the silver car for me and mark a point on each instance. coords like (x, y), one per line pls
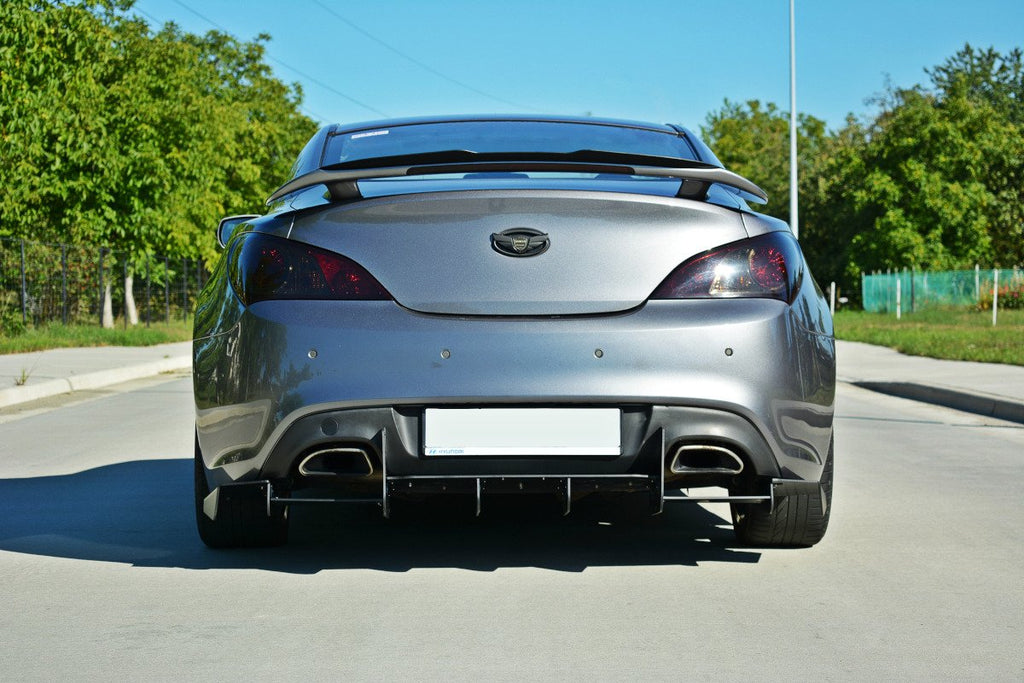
(539, 306)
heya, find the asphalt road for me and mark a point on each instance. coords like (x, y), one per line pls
(101, 574)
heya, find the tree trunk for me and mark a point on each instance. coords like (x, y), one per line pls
(108, 307)
(129, 299)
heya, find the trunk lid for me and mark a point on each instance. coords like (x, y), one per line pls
(433, 252)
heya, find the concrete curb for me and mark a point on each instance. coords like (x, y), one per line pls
(91, 380)
(958, 399)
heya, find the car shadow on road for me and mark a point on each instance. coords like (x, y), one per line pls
(140, 513)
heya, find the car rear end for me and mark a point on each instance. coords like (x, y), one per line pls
(398, 345)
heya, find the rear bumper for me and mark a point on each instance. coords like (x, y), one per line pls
(289, 373)
(392, 439)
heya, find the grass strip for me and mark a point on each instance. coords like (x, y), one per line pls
(57, 336)
(948, 334)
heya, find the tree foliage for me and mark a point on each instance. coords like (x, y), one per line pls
(753, 140)
(934, 180)
(138, 140)
(117, 134)
(984, 76)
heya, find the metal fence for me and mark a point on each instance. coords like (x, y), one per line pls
(44, 283)
(908, 290)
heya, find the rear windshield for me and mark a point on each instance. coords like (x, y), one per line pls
(503, 136)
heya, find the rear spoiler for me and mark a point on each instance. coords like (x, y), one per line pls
(341, 180)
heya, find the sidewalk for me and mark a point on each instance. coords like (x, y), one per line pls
(984, 388)
(61, 371)
(990, 389)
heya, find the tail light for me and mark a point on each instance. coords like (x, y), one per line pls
(264, 267)
(767, 266)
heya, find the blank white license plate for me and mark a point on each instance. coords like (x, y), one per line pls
(521, 431)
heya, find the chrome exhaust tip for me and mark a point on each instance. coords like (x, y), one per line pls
(337, 462)
(705, 459)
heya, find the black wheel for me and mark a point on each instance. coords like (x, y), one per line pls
(799, 519)
(241, 522)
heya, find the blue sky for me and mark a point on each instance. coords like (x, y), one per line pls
(653, 61)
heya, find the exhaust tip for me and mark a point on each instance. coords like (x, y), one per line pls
(706, 459)
(337, 462)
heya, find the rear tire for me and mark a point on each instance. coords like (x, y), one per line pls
(797, 520)
(239, 523)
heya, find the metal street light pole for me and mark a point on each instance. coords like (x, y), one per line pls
(794, 219)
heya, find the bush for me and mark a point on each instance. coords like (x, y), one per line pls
(11, 323)
(1011, 296)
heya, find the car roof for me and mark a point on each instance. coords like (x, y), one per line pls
(311, 156)
(540, 118)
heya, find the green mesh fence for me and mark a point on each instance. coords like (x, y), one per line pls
(922, 290)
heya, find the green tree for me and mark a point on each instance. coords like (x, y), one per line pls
(828, 207)
(267, 128)
(936, 181)
(137, 141)
(753, 140)
(984, 76)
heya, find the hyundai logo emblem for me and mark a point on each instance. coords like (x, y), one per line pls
(520, 242)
